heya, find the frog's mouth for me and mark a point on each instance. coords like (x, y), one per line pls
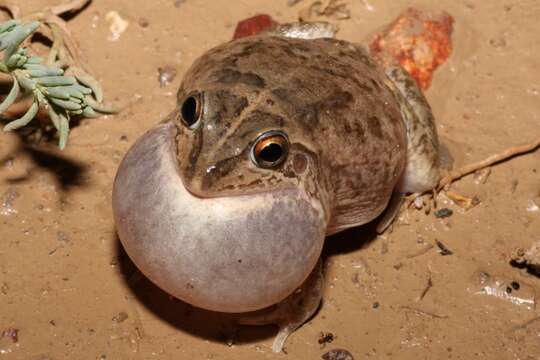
(228, 254)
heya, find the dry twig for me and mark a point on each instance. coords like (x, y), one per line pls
(424, 313)
(428, 286)
(73, 5)
(325, 8)
(421, 251)
(491, 160)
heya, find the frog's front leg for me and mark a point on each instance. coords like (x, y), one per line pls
(294, 311)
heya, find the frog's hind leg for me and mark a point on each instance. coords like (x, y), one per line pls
(304, 30)
(294, 311)
(422, 171)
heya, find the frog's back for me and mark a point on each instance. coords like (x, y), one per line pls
(334, 100)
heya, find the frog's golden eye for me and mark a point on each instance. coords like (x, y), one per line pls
(191, 110)
(270, 149)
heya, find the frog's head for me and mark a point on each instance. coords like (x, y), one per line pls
(222, 205)
(234, 137)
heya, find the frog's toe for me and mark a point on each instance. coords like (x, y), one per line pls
(391, 212)
(292, 312)
(272, 318)
(422, 201)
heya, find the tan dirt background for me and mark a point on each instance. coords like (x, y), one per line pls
(67, 286)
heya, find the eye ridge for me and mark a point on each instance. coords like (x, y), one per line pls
(270, 149)
(191, 110)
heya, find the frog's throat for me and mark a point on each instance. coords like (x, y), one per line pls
(234, 254)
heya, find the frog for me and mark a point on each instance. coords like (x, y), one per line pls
(277, 141)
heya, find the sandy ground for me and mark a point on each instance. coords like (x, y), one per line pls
(72, 293)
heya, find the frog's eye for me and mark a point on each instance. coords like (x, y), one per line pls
(270, 149)
(191, 110)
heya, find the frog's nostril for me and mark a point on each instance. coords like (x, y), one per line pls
(299, 163)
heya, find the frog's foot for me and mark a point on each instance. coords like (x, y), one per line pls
(422, 201)
(391, 212)
(304, 30)
(292, 312)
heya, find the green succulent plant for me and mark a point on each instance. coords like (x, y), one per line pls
(54, 84)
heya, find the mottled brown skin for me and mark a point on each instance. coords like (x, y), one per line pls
(422, 171)
(348, 142)
(194, 205)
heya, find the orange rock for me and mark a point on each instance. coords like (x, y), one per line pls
(418, 40)
(253, 25)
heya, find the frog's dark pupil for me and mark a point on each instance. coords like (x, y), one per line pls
(190, 111)
(270, 149)
(271, 153)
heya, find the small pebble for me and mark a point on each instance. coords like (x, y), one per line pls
(338, 354)
(498, 42)
(376, 305)
(166, 75)
(9, 162)
(443, 250)
(143, 23)
(4, 288)
(443, 213)
(117, 25)
(230, 335)
(121, 317)
(12, 334)
(62, 236)
(7, 200)
(253, 25)
(515, 285)
(532, 206)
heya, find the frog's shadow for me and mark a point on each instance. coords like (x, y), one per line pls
(208, 325)
(215, 326)
(350, 240)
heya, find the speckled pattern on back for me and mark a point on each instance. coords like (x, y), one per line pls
(423, 156)
(327, 95)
